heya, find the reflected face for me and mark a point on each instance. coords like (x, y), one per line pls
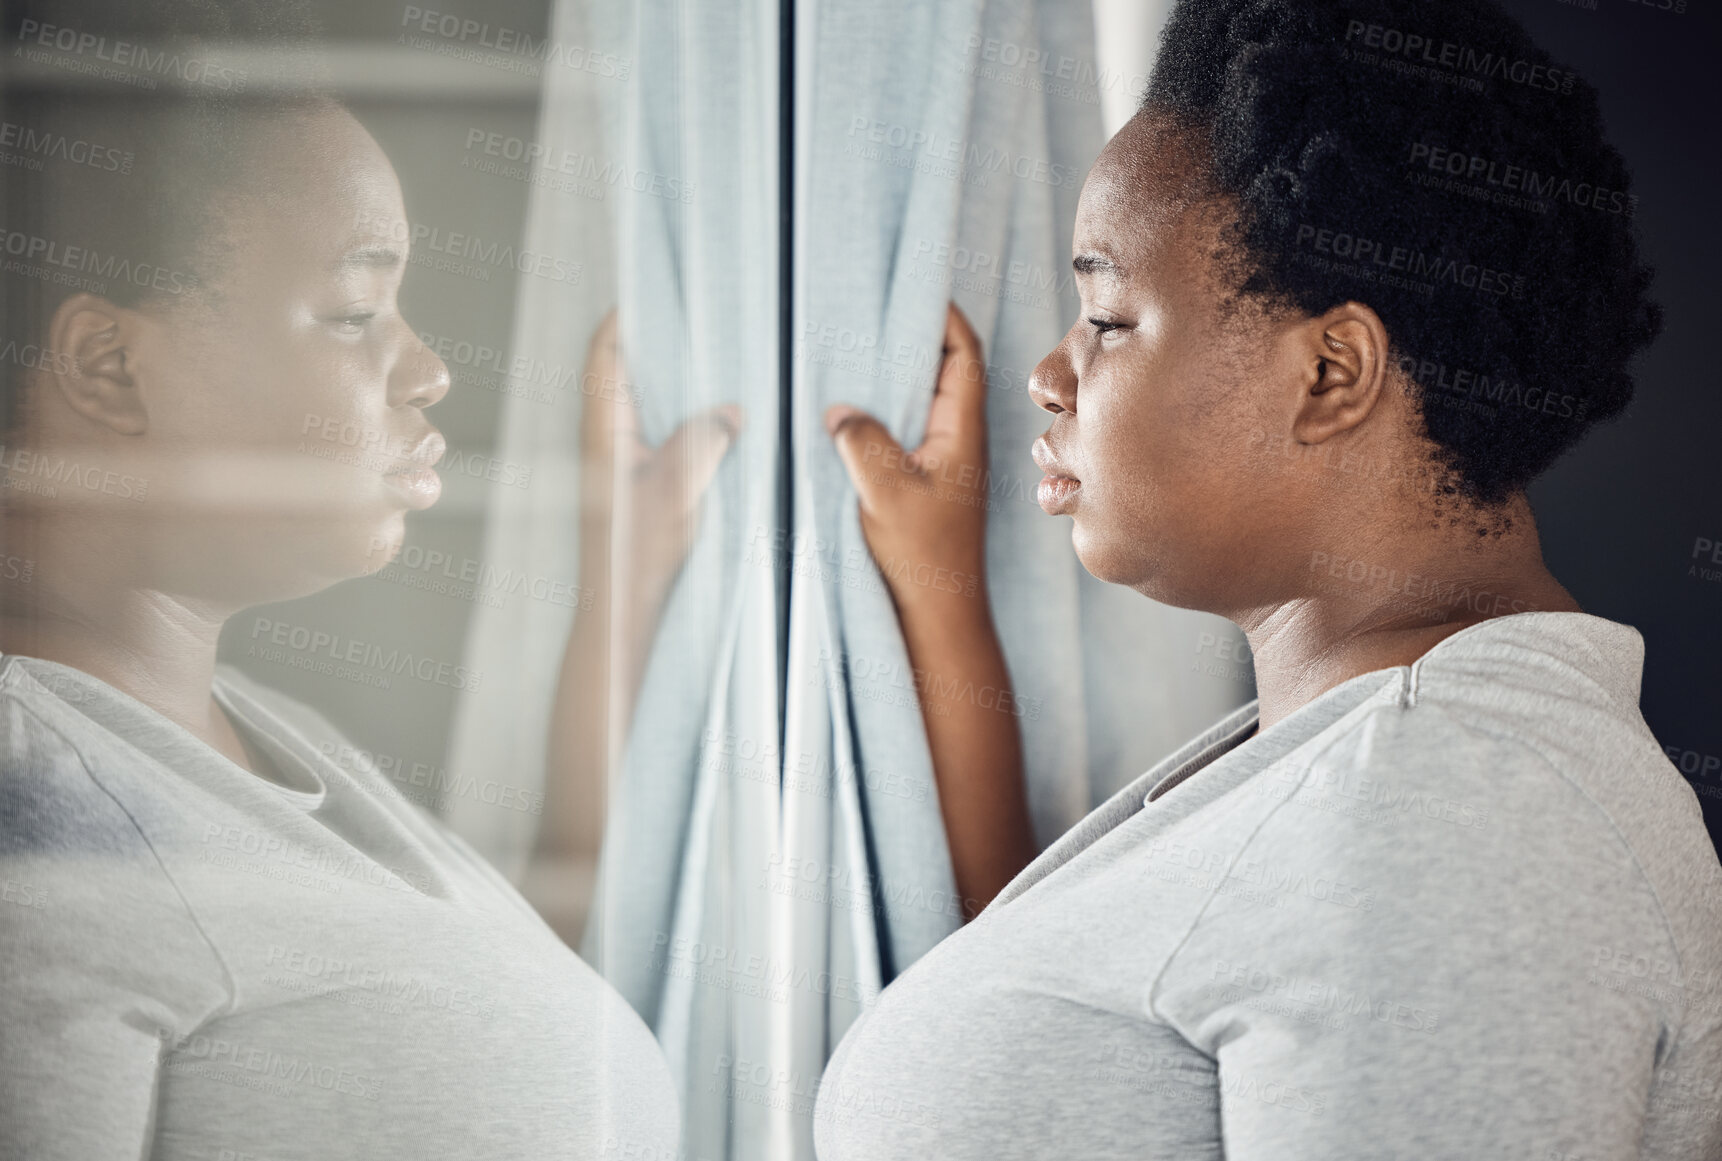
(286, 435)
(1153, 399)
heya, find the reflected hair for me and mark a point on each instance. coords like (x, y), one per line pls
(119, 171)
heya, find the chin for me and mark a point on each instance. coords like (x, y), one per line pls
(354, 549)
(382, 545)
(1104, 560)
(1121, 562)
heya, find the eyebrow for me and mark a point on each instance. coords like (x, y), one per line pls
(375, 257)
(1097, 264)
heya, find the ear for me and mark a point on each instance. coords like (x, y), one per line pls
(94, 369)
(1343, 355)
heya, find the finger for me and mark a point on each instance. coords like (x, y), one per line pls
(956, 421)
(611, 425)
(863, 444)
(602, 382)
(690, 457)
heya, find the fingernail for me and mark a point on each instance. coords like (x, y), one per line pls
(836, 414)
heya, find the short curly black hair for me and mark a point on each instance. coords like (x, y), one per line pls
(1432, 161)
(115, 176)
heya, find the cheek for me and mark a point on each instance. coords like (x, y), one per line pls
(1162, 452)
(1133, 436)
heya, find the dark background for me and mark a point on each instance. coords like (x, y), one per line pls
(1620, 514)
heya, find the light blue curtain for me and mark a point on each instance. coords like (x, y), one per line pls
(774, 853)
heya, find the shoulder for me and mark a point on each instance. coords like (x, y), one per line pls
(88, 912)
(50, 796)
(1429, 849)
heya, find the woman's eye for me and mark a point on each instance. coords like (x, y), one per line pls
(1101, 326)
(354, 323)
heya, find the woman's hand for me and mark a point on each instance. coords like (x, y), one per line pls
(646, 498)
(925, 517)
(639, 511)
(926, 507)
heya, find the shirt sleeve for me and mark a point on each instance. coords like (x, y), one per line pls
(100, 959)
(1401, 962)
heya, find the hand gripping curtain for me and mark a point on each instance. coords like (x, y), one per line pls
(774, 853)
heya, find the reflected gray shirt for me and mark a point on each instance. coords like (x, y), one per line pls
(199, 963)
(1463, 909)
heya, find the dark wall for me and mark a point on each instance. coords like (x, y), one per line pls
(1630, 518)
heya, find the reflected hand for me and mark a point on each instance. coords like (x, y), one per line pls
(927, 506)
(646, 498)
(639, 507)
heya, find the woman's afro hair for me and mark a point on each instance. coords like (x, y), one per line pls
(1431, 161)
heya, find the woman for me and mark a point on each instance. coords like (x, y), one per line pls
(231, 946)
(1437, 892)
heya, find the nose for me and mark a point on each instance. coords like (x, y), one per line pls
(1053, 384)
(419, 379)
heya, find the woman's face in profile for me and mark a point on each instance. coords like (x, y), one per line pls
(1154, 400)
(286, 438)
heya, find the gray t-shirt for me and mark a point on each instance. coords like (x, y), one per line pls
(1463, 909)
(199, 963)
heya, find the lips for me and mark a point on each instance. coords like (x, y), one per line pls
(415, 477)
(1057, 491)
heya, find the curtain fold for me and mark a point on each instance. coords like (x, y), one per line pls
(774, 853)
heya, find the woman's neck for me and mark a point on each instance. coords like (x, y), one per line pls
(1384, 600)
(84, 606)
